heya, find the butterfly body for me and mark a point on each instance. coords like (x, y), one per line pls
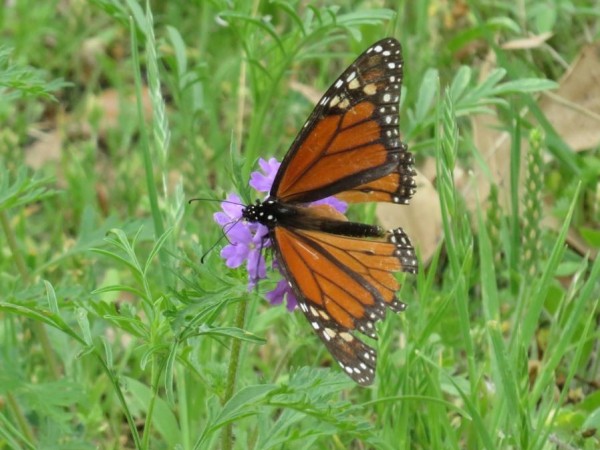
(272, 213)
(342, 272)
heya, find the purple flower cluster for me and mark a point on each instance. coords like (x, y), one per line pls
(248, 239)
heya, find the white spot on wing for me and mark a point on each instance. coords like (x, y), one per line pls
(328, 334)
(370, 89)
(354, 84)
(346, 336)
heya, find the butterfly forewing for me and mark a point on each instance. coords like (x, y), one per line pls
(351, 139)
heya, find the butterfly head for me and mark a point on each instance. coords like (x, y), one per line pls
(264, 213)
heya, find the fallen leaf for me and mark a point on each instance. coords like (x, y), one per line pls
(528, 42)
(421, 219)
(46, 148)
(574, 109)
(493, 145)
(306, 91)
(112, 106)
(574, 112)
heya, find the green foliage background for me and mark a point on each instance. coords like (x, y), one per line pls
(113, 335)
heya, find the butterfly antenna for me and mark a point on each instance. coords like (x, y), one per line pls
(224, 236)
(203, 199)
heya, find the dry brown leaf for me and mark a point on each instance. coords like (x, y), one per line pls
(307, 91)
(494, 147)
(48, 143)
(46, 148)
(574, 109)
(421, 219)
(112, 106)
(527, 43)
(88, 55)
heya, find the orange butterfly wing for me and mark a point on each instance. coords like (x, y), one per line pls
(343, 273)
(350, 146)
(343, 284)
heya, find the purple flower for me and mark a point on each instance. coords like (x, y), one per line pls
(262, 182)
(335, 203)
(232, 210)
(247, 239)
(282, 291)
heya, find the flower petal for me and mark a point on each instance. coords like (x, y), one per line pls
(262, 182)
(282, 291)
(234, 255)
(256, 265)
(233, 209)
(239, 233)
(334, 202)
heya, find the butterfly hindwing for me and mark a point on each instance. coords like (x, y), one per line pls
(351, 139)
(344, 284)
(355, 357)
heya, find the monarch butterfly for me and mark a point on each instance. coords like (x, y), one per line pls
(341, 272)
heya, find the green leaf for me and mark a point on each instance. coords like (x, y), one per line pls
(243, 404)
(51, 319)
(25, 189)
(591, 236)
(179, 48)
(84, 325)
(524, 85)
(461, 80)
(51, 296)
(163, 419)
(232, 332)
(157, 246)
(592, 421)
(427, 92)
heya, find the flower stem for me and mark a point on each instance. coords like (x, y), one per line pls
(149, 415)
(227, 436)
